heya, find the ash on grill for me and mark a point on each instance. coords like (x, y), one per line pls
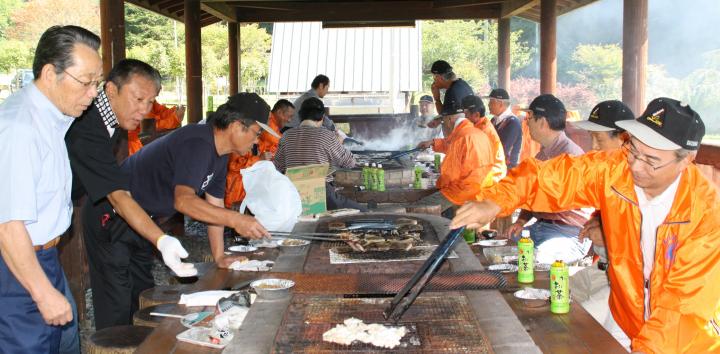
(406, 236)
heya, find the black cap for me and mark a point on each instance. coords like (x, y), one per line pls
(451, 107)
(252, 107)
(441, 67)
(604, 115)
(667, 124)
(499, 94)
(547, 105)
(474, 104)
(426, 98)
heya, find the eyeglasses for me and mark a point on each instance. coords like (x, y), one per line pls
(87, 84)
(635, 156)
(257, 133)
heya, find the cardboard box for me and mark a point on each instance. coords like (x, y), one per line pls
(310, 183)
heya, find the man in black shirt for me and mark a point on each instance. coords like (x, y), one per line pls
(455, 90)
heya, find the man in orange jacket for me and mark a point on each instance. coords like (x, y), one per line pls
(165, 119)
(661, 220)
(474, 110)
(468, 160)
(280, 115)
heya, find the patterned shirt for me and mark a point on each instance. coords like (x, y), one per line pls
(108, 116)
(307, 145)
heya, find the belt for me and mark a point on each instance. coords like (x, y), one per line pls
(50, 244)
(603, 266)
(555, 222)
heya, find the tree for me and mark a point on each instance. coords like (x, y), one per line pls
(15, 54)
(143, 27)
(599, 67)
(36, 16)
(255, 43)
(471, 48)
(7, 7)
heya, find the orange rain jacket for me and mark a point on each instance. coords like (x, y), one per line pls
(685, 282)
(499, 168)
(234, 189)
(165, 119)
(468, 161)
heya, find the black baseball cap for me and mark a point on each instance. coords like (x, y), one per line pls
(252, 107)
(498, 94)
(426, 98)
(451, 107)
(547, 105)
(667, 124)
(604, 115)
(473, 104)
(441, 67)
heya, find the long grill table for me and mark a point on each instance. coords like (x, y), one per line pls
(487, 319)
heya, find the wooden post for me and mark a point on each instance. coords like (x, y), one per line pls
(112, 32)
(504, 53)
(234, 54)
(548, 46)
(193, 61)
(635, 54)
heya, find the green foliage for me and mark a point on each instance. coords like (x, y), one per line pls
(15, 54)
(600, 68)
(143, 27)
(471, 48)
(7, 7)
(255, 44)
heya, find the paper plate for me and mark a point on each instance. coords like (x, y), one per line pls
(291, 242)
(492, 243)
(242, 248)
(264, 243)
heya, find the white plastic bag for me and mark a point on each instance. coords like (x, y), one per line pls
(271, 197)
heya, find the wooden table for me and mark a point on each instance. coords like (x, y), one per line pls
(510, 326)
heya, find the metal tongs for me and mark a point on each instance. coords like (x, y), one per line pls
(310, 236)
(402, 301)
(400, 154)
(369, 224)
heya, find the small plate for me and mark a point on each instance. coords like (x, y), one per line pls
(241, 248)
(492, 243)
(532, 297)
(292, 242)
(503, 268)
(264, 243)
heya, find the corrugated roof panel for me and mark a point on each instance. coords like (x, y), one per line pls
(355, 59)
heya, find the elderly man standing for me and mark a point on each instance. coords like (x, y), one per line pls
(508, 127)
(555, 234)
(37, 208)
(455, 90)
(661, 220)
(116, 262)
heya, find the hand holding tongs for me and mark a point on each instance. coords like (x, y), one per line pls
(400, 303)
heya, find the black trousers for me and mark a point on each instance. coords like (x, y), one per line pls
(120, 266)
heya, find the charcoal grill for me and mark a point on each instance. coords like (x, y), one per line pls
(438, 324)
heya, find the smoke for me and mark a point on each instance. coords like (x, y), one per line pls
(405, 137)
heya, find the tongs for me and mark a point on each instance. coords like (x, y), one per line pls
(400, 154)
(369, 224)
(402, 301)
(310, 236)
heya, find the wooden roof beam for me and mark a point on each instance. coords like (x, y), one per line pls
(515, 7)
(446, 4)
(220, 10)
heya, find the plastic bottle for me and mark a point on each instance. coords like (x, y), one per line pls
(417, 183)
(437, 163)
(559, 287)
(526, 258)
(373, 176)
(469, 236)
(380, 178)
(366, 175)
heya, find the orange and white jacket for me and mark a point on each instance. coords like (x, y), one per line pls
(685, 282)
(468, 161)
(267, 142)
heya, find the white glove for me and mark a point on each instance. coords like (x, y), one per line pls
(172, 251)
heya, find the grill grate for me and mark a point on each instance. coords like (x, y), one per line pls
(438, 324)
(388, 284)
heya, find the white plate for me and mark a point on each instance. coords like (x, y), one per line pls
(503, 267)
(492, 243)
(291, 242)
(533, 294)
(242, 248)
(264, 243)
